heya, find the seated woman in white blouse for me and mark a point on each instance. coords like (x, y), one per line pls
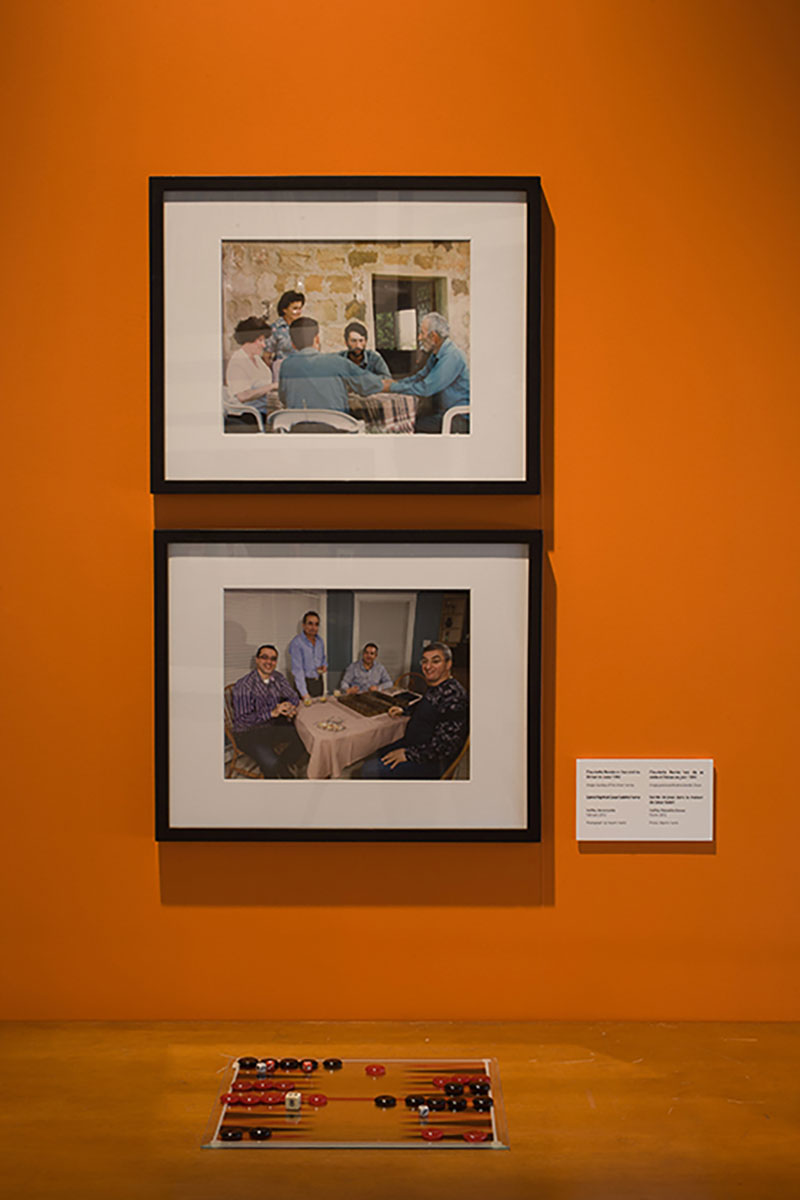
(248, 378)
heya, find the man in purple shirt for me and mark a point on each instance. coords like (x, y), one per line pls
(264, 707)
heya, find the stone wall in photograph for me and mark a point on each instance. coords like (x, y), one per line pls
(336, 278)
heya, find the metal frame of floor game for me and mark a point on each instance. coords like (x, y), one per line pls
(283, 1102)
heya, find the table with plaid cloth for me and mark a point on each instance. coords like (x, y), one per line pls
(385, 412)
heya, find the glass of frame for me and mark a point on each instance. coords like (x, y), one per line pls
(418, 302)
(347, 686)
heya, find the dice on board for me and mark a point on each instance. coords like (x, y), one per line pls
(294, 1101)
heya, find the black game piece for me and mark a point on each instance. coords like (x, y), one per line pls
(332, 1064)
(385, 1101)
(436, 1103)
(456, 1104)
(248, 1064)
(230, 1135)
(454, 1089)
(289, 1064)
(479, 1089)
(414, 1101)
(260, 1133)
(482, 1103)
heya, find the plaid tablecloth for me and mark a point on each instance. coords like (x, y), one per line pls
(387, 412)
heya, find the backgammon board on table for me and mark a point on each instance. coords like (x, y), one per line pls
(393, 1104)
(371, 704)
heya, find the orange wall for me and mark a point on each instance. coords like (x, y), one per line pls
(666, 137)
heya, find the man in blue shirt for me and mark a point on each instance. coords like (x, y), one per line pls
(355, 338)
(444, 378)
(368, 675)
(309, 661)
(310, 379)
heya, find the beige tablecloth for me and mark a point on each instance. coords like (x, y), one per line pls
(331, 752)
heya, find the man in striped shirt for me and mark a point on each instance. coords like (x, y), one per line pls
(264, 708)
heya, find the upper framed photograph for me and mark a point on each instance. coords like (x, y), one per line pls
(402, 312)
(347, 686)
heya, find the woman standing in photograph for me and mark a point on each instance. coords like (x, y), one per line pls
(279, 343)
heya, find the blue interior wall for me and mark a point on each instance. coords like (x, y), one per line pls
(426, 624)
(341, 606)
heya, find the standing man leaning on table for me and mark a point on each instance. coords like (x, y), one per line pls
(308, 658)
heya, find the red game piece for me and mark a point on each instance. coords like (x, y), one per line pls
(480, 1079)
(263, 1085)
(375, 1069)
(228, 1098)
(250, 1098)
(432, 1135)
(272, 1098)
(461, 1079)
(317, 1099)
(241, 1086)
(475, 1135)
(308, 1065)
(440, 1080)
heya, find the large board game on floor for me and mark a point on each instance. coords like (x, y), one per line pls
(391, 1103)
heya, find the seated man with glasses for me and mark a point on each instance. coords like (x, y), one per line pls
(264, 708)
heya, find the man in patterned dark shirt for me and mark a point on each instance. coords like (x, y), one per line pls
(437, 729)
(264, 708)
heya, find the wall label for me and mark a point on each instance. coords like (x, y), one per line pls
(645, 799)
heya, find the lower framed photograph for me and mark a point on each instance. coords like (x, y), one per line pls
(348, 686)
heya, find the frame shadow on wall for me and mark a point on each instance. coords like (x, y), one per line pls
(416, 874)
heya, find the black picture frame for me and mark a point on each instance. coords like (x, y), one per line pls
(193, 571)
(188, 450)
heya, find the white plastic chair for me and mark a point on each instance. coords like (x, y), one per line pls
(231, 405)
(338, 422)
(458, 410)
